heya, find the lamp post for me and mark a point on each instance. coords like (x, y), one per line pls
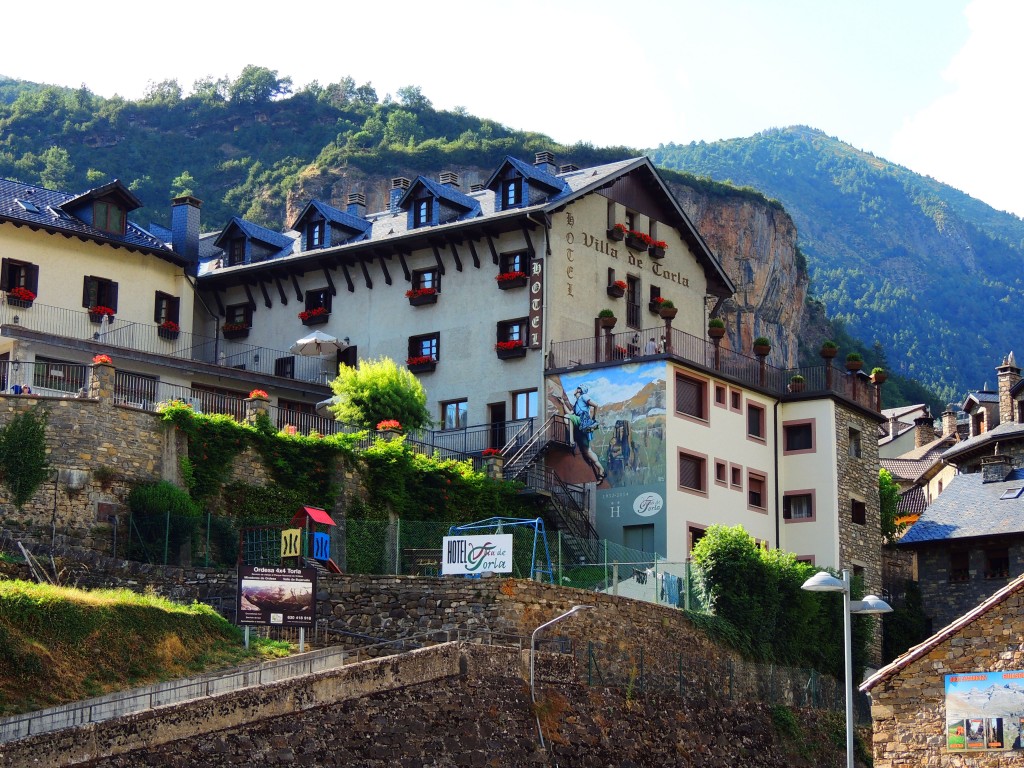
(533, 652)
(826, 582)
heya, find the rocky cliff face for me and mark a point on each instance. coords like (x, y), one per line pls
(756, 243)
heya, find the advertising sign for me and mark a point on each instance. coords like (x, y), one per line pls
(470, 555)
(983, 711)
(281, 596)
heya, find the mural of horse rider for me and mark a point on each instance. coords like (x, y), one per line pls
(582, 412)
(622, 453)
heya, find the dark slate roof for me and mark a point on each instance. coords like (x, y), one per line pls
(981, 397)
(442, 192)
(912, 502)
(1008, 431)
(531, 173)
(52, 215)
(256, 232)
(969, 508)
(335, 216)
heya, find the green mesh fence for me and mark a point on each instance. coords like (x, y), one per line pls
(167, 539)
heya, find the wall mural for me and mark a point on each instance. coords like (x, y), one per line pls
(618, 417)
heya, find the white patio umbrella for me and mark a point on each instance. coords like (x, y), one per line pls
(318, 344)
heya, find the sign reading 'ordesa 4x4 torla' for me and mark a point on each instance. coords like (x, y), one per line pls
(471, 555)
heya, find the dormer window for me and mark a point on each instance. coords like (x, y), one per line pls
(236, 252)
(511, 193)
(315, 235)
(108, 216)
(422, 212)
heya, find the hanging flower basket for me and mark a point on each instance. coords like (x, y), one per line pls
(638, 241)
(420, 296)
(617, 289)
(508, 280)
(657, 249)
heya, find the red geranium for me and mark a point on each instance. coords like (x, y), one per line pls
(102, 359)
(259, 393)
(315, 312)
(388, 424)
(24, 294)
(170, 325)
(506, 345)
(504, 277)
(415, 293)
(99, 309)
(419, 360)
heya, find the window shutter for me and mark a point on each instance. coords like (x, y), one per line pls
(174, 309)
(787, 508)
(5, 275)
(86, 285)
(156, 306)
(31, 277)
(113, 295)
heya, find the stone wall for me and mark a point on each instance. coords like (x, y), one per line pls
(909, 707)
(945, 601)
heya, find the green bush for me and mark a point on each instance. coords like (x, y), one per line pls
(164, 519)
(23, 464)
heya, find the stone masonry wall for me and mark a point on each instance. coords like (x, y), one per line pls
(909, 710)
(945, 601)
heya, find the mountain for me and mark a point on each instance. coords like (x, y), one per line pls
(926, 271)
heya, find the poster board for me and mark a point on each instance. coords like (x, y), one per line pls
(985, 711)
(270, 595)
(473, 555)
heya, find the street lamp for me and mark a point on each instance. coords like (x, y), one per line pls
(533, 651)
(826, 582)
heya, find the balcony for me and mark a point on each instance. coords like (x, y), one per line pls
(115, 333)
(751, 371)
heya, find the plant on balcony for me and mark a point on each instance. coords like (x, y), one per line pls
(878, 375)
(617, 289)
(511, 279)
(491, 452)
(854, 362)
(506, 349)
(421, 363)
(797, 383)
(621, 352)
(20, 297)
(829, 349)
(419, 296)
(168, 329)
(637, 240)
(618, 232)
(235, 330)
(390, 425)
(98, 312)
(762, 346)
(656, 248)
(259, 394)
(606, 318)
(667, 309)
(102, 360)
(314, 316)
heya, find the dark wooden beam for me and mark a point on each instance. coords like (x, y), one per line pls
(529, 241)
(280, 291)
(455, 255)
(405, 267)
(437, 258)
(220, 304)
(494, 251)
(330, 282)
(266, 296)
(348, 278)
(473, 253)
(295, 284)
(248, 295)
(384, 268)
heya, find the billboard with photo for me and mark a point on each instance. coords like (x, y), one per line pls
(276, 596)
(985, 711)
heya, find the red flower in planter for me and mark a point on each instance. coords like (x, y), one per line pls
(259, 393)
(234, 327)
(620, 284)
(658, 244)
(99, 309)
(506, 345)
(419, 360)
(101, 359)
(415, 293)
(643, 237)
(170, 325)
(491, 452)
(388, 424)
(306, 314)
(23, 294)
(621, 228)
(504, 277)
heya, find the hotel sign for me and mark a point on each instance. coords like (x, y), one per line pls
(536, 318)
(473, 555)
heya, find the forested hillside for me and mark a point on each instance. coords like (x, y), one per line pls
(931, 274)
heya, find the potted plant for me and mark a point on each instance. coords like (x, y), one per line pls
(617, 289)
(420, 363)
(762, 346)
(657, 249)
(638, 241)
(797, 383)
(655, 304)
(667, 309)
(20, 297)
(389, 425)
(235, 330)
(829, 349)
(716, 327)
(878, 375)
(617, 232)
(507, 349)
(854, 362)
(97, 312)
(507, 280)
(168, 329)
(420, 296)
(606, 318)
(314, 316)
(258, 394)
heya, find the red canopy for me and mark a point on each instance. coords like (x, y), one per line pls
(314, 514)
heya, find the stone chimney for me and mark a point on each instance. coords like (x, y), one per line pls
(924, 430)
(949, 421)
(185, 229)
(1007, 375)
(398, 187)
(449, 179)
(355, 204)
(994, 469)
(894, 425)
(545, 161)
(568, 168)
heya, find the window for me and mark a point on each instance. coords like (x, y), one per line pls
(349, 356)
(721, 473)
(515, 262)
(630, 220)
(721, 395)
(524, 404)
(61, 375)
(854, 445)
(735, 401)
(736, 477)
(633, 302)
(422, 212)
(165, 307)
(238, 314)
(959, 565)
(757, 497)
(285, 366)
(424, 346)
(454, 414)
(755, 421)
(798, 505)
(426, 278)
(236, 252)
(693, 473)
(512, 330)
(858, 511)
(691, 397)
(19, 274)
(317, 298)
(315, 234)
(108, 216)
(511, 193)
(655, 294)
(997, 563)
(99, 292)
(696, 533)
(798, 437)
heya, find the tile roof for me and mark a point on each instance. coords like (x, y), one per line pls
(45, 209)
(912, 502)
(532, 173)
(335, 216)
(1008, 431)
(969, 508)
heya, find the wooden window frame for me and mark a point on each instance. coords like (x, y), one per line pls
(702, 389)
(702, 474)
(426, 345)
(446, 404)
(811, 424)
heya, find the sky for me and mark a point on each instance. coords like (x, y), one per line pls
(929, 84)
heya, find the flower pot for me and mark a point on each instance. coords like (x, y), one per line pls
(23, 303)
(797, 386)
(854, 365)
(634, 243)
(656, 252)
(422, 367)
(879, 378)
(762, 350)
(615, 291)
(615, 234)
(654, 307)
(237, 333)
(426, 298)
(96, 317)
(828, 352)
(505, 354)
(317, 319)
(607, 322)
(515, 282)
(667, 313)
(167, 333)
(716, 333)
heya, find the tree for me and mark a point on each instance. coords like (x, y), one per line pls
(257, 85)
(401, 127)
(23, 464)
(182, 185)
(339, 94)
(211, 90)
(57, 168)
(166, 92)
(889, 497)
(412, 97)
(365, 95)
(379, 390)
